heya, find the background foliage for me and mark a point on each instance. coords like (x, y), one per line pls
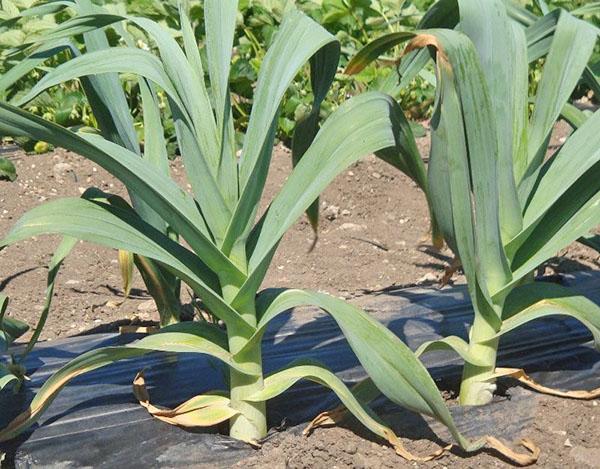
(353, 22)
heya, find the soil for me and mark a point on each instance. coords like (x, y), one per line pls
(373, 235)
(565, 430)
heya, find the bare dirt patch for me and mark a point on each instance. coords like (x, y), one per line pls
(565, 430)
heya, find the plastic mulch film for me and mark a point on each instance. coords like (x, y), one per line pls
(96, 421)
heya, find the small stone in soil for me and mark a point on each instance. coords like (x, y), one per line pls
(351, 227)
(331, 212)
(428, 277)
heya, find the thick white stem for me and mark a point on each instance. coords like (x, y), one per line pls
(476, 387)
(251, 423)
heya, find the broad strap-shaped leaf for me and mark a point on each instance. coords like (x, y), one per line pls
(389, 362)
(395, 370)
(47, 8)
(573, 215)
(442, 14)
(220, 19)
(579, 154)
(323, 66)
(36, 58)
(7, 378)
(174, 74)
(205, 410)
(539, 37)
(405, 155)
(298, 39)
(60, 254)
(449, 172)
(542, 299)
(157, 190)
(591, 8)
(196, 128)
(374, 49)
(359, 127)
(155, 145)
(183, 77)
(440, 180)
(128, 60)
(503, 57)
(154, 149)
(163, 287)
(108, 102)
(118, 228)
(190, 337)
(79, 24)
(459, 65)
(539, 33)
(572, 45)
(450, 343)
(10, 328)
(110, 107)
(280, 381)
(574, 116)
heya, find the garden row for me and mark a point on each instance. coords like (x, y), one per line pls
(499, 197)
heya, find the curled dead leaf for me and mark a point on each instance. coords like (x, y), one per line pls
(138, 330)
(424, 40)
(520, 375)
(200, 411)
(521, 459)
(126, 267)
(333, 417)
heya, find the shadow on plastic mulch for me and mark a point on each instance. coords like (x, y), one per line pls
(95, 421)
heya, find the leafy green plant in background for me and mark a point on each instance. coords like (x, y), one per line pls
(501, 205)
(350, 21)
(18, 27)
(67, 105)
(229, 253)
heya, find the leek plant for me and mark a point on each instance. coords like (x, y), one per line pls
(502, 204)
(227, 251)
(110, 104)
(11, 373)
